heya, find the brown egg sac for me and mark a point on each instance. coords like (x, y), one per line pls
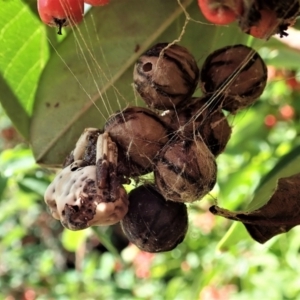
(201, 116)
(235, 75)
(187, 119)
(139, 134)
(165, 76)
(215, 132)
(186, 170)
(152, 223)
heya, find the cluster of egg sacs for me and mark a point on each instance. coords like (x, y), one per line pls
(179, 136)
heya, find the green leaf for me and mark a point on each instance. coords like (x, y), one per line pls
(16, 161)
(105, 240)
(32, 4)
(90, 75)
(71, 240)
(276, 53)
(3, 184)
(14, 109)
(34, 185)
(23, 54)
(235, 234)
(287, 166)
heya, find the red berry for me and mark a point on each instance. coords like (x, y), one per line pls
(270, 121)
(287, 112)
(61, 12)
(266, 26)
(9, 133)
(220, 12)
(293, 83)
(97, 2)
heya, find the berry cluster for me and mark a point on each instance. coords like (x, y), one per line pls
(177, 138)
(166, 77)
(259, 18)
(60, 13)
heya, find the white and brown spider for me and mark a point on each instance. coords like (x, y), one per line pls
(87, 191)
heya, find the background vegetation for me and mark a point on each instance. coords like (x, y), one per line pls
(47, 85)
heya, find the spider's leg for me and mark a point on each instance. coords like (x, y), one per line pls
(83, 142)
(114, 182)
(106, 167)
(102, 164)
(81, 146)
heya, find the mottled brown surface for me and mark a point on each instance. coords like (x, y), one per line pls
(139, 134)
(152, 223)
(186, 170)
(236, 75)
(165, 77)
(201, 117)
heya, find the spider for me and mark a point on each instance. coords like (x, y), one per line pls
(88, 190)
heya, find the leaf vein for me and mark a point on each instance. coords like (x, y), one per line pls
(20, 50)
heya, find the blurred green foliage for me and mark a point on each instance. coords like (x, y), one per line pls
(41, 260)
